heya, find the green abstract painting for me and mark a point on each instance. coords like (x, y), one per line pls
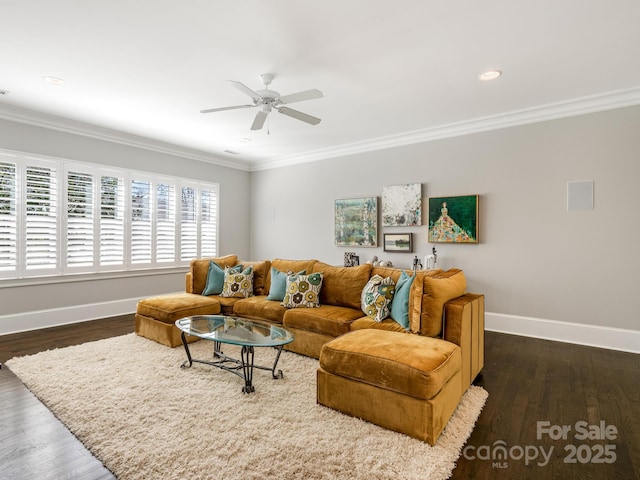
(453, 219)
(356, 222)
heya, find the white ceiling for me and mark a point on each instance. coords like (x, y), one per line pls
(391, 72)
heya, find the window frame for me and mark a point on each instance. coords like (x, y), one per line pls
(63, 268)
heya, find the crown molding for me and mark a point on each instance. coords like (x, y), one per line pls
(542, 113)
(53, 122)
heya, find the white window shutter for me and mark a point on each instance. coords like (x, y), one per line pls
(165, 223)
(8, 219)
(80, 219)
(41, 218)
(111, 221)
(141, 222)
(188, 224)
(208, 222)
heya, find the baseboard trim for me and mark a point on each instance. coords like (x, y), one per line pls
(578, 333)
(35, 320)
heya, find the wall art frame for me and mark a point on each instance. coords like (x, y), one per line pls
(453, 219)
(356, 222)
(398, 242)
(402, 205)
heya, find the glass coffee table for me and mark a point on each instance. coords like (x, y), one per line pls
(235, 331)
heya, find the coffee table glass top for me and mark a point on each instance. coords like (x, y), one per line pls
(235, 330)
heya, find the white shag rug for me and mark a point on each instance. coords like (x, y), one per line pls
(127, 399)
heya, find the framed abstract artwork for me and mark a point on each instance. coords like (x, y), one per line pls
(402, 205)
(356, 222)
(398, 242)
(453, 219)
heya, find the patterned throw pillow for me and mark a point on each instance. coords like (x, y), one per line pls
(376, 297)
(303, 291)
(238, 284)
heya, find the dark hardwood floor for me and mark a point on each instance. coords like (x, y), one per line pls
(529, 381)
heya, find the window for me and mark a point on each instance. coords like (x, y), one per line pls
(59, 217)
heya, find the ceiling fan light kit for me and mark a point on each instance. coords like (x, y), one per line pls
(269, 100)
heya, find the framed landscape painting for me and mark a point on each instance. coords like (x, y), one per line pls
(356, 222)
(398, 242)
(453, 219)
(402, 205)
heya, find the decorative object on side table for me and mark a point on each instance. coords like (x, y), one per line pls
(351, 259)
(402, 205)
(398, 242)
(356, 222)
(453, 219)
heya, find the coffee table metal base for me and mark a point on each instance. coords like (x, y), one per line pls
(242, 367)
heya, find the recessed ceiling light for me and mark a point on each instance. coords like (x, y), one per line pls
(489, 75)
(53, 80)
(245, 140)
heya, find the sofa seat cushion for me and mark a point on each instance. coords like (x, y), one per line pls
(259, 307)
(328, 320)
(171, 307)
(387, 324)
(226, 303)
(401, 362)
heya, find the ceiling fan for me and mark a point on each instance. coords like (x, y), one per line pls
(269, 100)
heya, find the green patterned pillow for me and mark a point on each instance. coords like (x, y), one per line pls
(303, 291)
(238, 284)
(376, 297)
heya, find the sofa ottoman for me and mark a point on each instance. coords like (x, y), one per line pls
(156, 316)
(403, 382)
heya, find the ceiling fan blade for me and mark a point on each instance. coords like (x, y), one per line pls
(258, 122)
(246, 90)
(290, 112)
(301, 96)
(221, 109)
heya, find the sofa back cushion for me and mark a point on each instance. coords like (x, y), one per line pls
(285, 266)
(200, 268)
(436, 289)
(260, 274)
(342, 286)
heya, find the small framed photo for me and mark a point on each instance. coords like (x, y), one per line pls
(398, 242)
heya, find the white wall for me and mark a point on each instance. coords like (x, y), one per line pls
(37, 305)
(535, 258)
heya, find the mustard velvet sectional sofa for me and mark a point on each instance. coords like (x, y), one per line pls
(364, 365)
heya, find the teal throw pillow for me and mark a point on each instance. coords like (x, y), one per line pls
(400, 303)
(376, 297)
(279, 284)
(215, 278)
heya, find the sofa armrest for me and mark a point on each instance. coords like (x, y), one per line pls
(188, 283)
(464, 326)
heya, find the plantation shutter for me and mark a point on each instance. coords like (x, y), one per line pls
(141, 242)
(208, 222)
(41, 225)
(8, 219)
(188, 224)
(80, 219)
(111, 221)
(165, 223)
